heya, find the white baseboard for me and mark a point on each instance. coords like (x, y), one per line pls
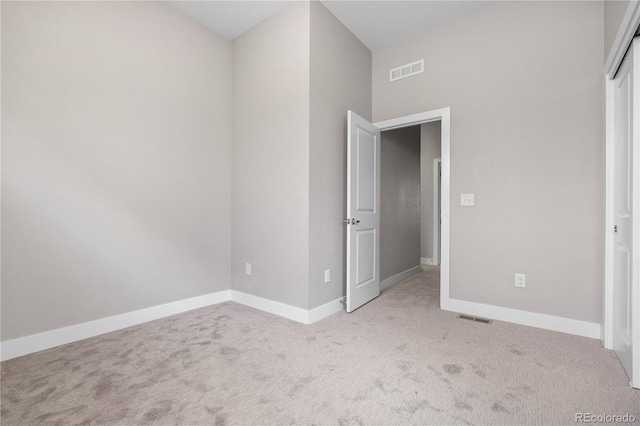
(61, 336)
(532, 319)
(385, 284)
(427, 261)
(270, 306)
(287, 311)
(322, 312)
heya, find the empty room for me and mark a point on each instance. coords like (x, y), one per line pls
(320, 212)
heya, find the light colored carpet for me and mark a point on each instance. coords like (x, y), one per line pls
(397, 360)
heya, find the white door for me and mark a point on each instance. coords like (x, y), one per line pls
(363, 211)
(626, 304)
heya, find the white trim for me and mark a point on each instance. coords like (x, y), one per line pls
(444, 115)
(427, 261)
(531, 319)
(436, 210)
(627, 30)
(324, 311)
(391, 281)
(293, 313)
(635, 261)
(609, 262)
(412, 119)
(277, 308)
(61, 336)
(607, 289)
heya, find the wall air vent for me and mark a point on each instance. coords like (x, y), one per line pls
(406, 70)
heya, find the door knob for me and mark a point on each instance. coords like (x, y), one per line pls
(615, 228)
(351, 221)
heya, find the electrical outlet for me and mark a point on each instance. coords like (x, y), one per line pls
(521, 280)
(327, 275)
(247, 268)
(467, 200)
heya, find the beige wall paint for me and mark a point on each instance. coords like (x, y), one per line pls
(614, 11)
(429, 150)
(116, 143)
(270, 193)
(399, 201)
(340, 81)
(524, 83)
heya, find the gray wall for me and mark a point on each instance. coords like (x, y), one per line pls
(340, 81)
(429, 150)
(614, 11)
(270, 200)
(525, 87)
(116, 142)
(399, 201)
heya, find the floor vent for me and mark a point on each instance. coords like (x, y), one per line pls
(476, 319)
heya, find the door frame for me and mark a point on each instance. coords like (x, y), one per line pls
(626, 32)
(609, 239)
(437, 171)
(444, 116)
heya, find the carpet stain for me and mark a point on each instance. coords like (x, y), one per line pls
(103, 386)
(43, 395)
(402, 365)
(452, 369)
(481, 373)
(156, 413)
(497, 407)
(227, 351)
(463, 406)
(348, 421)
(516, 352)
(380, 385)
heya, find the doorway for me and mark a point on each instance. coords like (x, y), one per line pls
(443, 116)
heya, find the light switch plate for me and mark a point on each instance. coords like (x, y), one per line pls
(467, 200)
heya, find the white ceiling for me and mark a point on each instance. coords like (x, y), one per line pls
(376, 23)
